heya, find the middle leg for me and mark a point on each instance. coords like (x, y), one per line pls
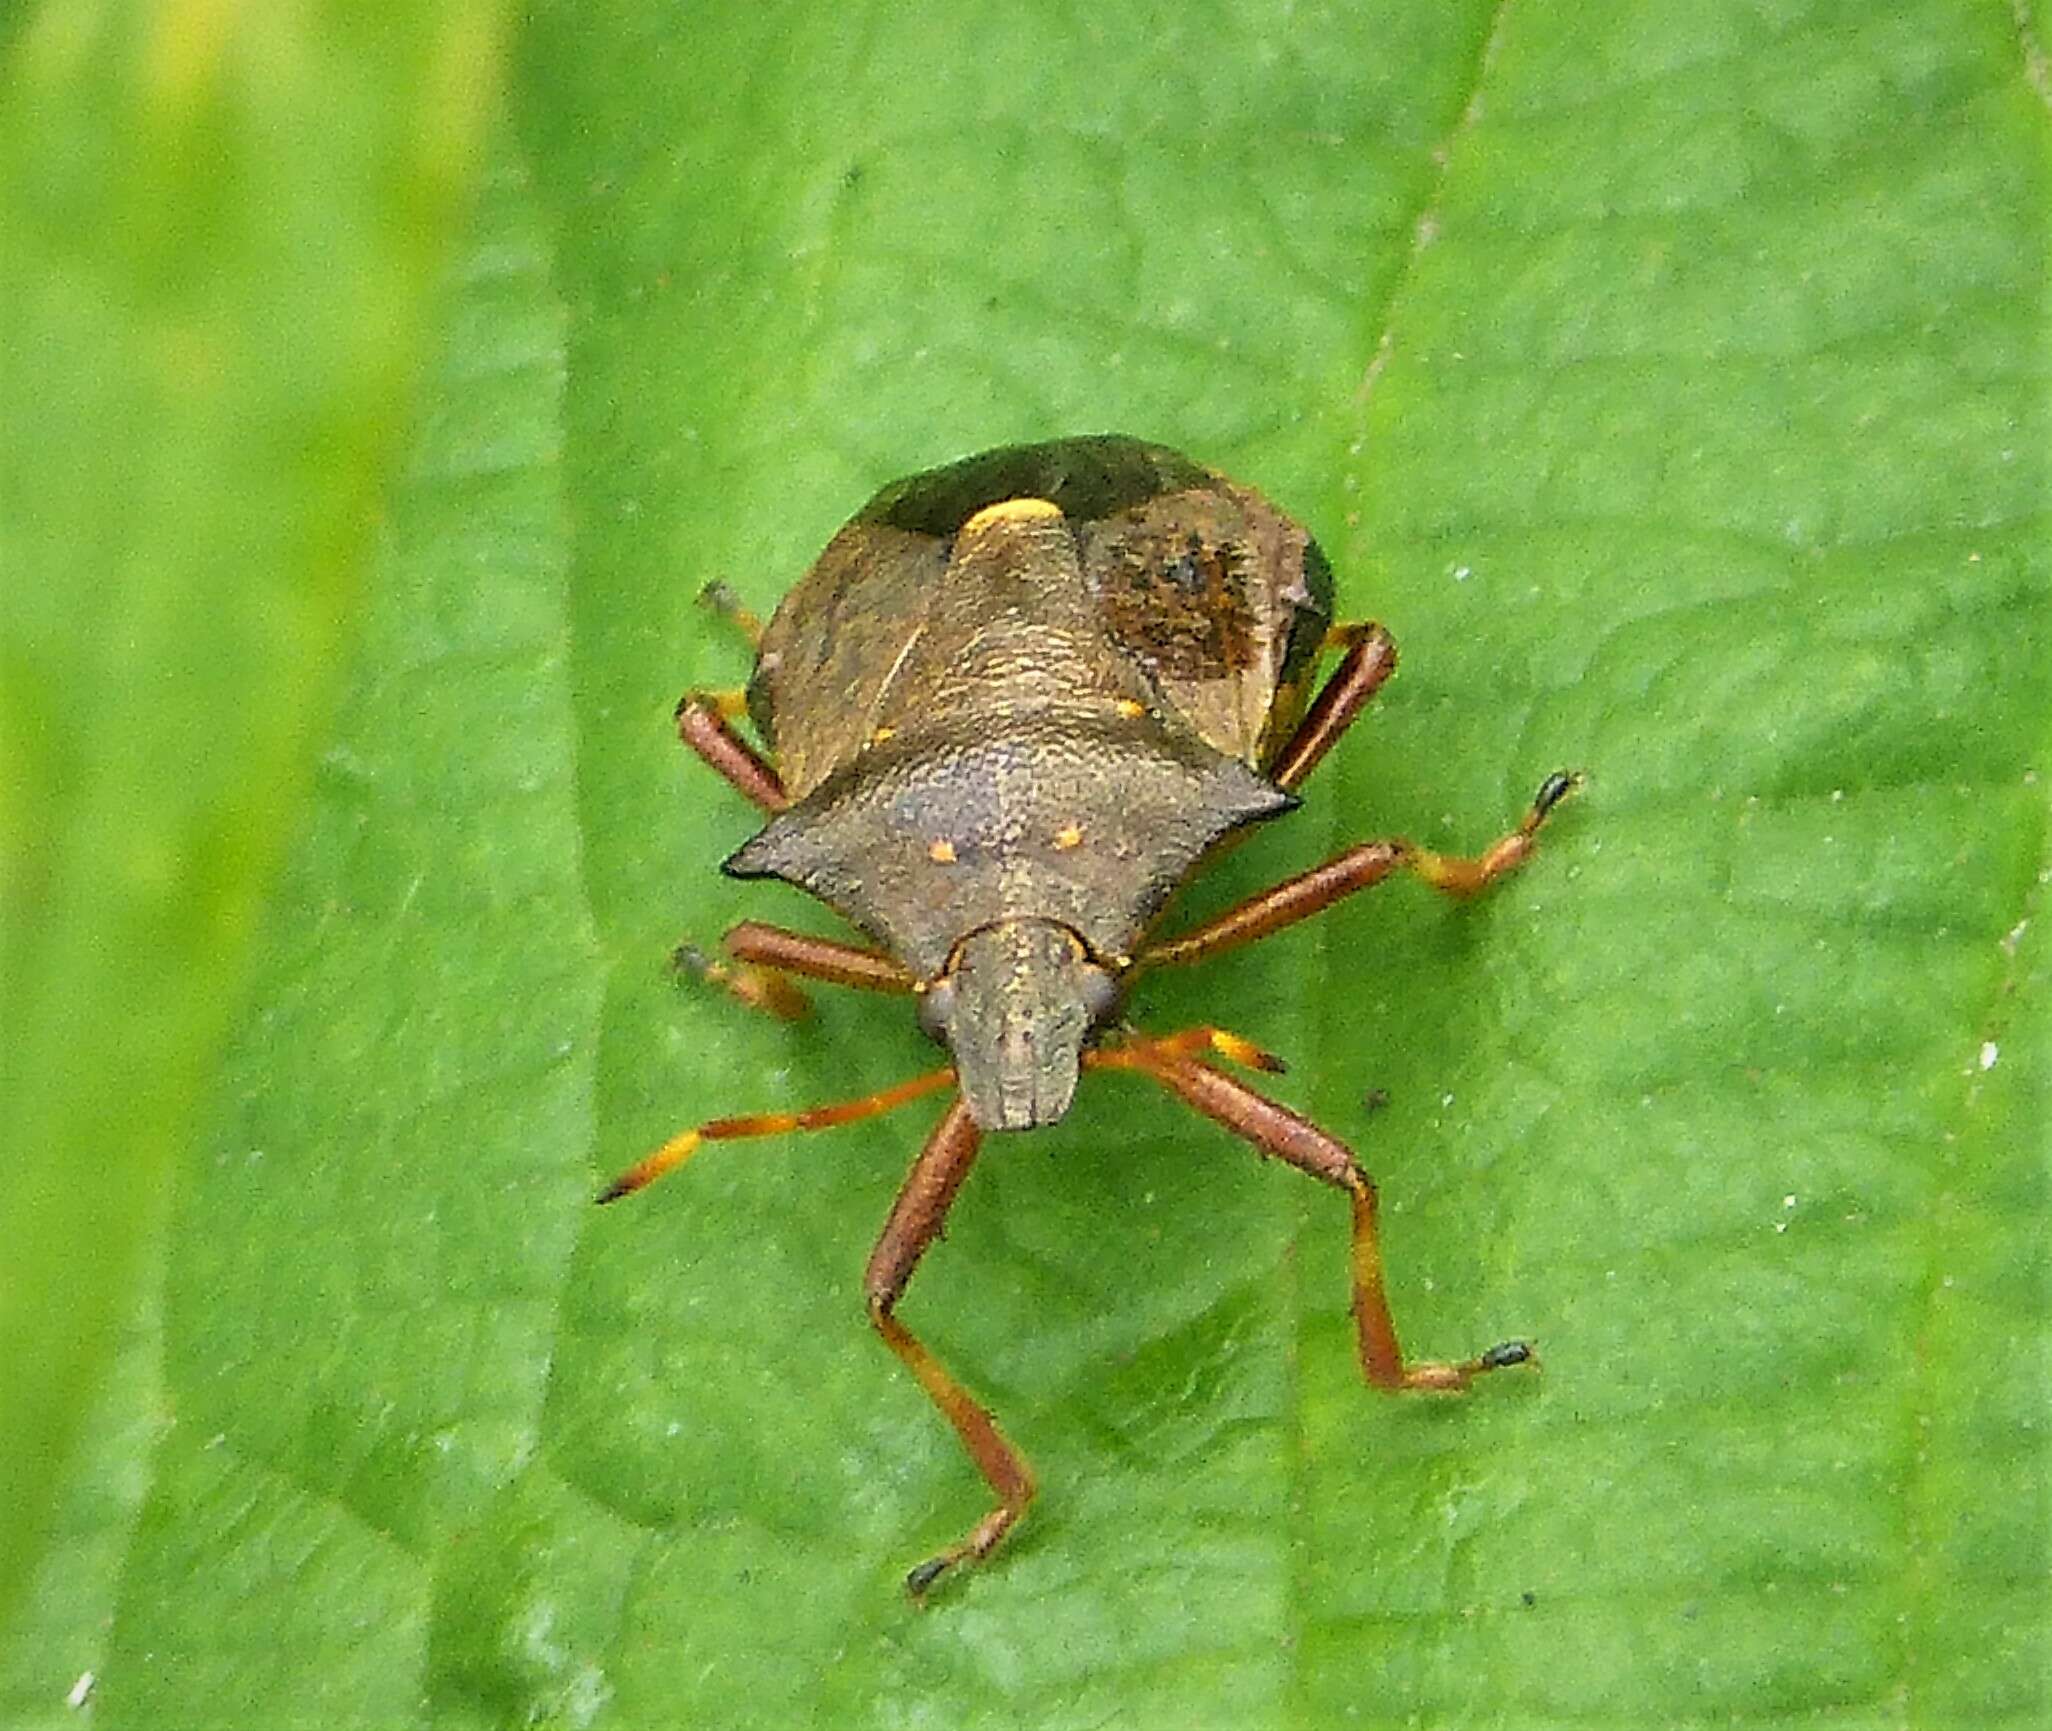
(1360, 868)
(763, 957)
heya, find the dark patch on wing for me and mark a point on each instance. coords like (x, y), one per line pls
(1089, 478)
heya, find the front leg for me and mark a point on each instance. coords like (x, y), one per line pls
(1274, 1129)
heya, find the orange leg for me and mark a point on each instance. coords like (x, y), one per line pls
(728, 702)
(764, 989)
(915, 1222)
(702, 726)
(1370, 659)
(1359, 868)
(763, 958)
(704, 717)
(1274, 1129)
(682, 1146)
(757, 945)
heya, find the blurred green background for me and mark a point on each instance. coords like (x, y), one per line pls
(381, 385)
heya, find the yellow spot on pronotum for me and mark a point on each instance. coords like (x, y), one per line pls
(1130, 710)
(1070, 835)
(1011, 511)
(882, 734)
(942, 853)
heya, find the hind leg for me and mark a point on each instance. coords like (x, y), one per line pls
(1370, 658)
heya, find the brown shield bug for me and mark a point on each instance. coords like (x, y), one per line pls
(1012, 707)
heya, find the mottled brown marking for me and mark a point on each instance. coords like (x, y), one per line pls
(1180, 602)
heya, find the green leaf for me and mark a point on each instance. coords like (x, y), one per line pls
(220, 237)
(1673, 383)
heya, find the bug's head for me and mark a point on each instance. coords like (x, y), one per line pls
(1014, 1005)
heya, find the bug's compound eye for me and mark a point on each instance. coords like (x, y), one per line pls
(936, 1005)
(1099, 992)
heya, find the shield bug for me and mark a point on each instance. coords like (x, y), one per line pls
(1011, 708)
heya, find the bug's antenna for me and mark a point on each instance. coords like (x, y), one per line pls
(682, 1146)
